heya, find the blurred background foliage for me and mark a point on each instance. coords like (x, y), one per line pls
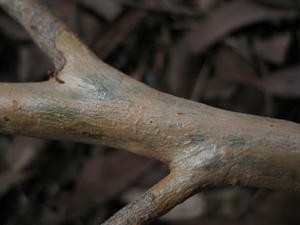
(239, 55)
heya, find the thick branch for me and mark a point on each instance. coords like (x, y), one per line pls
(184, 134)
(97, 104)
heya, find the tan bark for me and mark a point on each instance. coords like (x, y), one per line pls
(92, 102)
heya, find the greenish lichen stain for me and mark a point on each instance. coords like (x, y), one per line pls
(136, 89)
(236, 141)
(104, 89)
(256, 162)
(197, 138)
(150, 145)
(54, 112)
(266, 166)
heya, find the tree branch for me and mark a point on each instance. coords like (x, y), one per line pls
(40, 24)
(97, 104)
(170, 191)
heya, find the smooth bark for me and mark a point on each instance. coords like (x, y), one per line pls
(89, 101)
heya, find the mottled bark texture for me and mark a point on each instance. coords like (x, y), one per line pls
(94, 103)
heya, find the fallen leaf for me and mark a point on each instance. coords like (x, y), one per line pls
(102, 178)
(210, 30)
(273, 49)
(23, 151)
(117, 34)
(228, 18)
(11, 178)
(283, 83)
(287, 4)
(108, 9)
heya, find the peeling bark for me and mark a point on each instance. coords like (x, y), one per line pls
(96, 104)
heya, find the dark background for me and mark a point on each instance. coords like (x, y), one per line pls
(236, 55)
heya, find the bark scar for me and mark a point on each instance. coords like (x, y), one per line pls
(55, 75)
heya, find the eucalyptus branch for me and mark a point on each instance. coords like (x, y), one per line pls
(96, 104)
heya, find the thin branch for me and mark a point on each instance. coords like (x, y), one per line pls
(40, 24)
(158, 200)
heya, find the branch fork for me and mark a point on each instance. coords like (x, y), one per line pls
(91, 102)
